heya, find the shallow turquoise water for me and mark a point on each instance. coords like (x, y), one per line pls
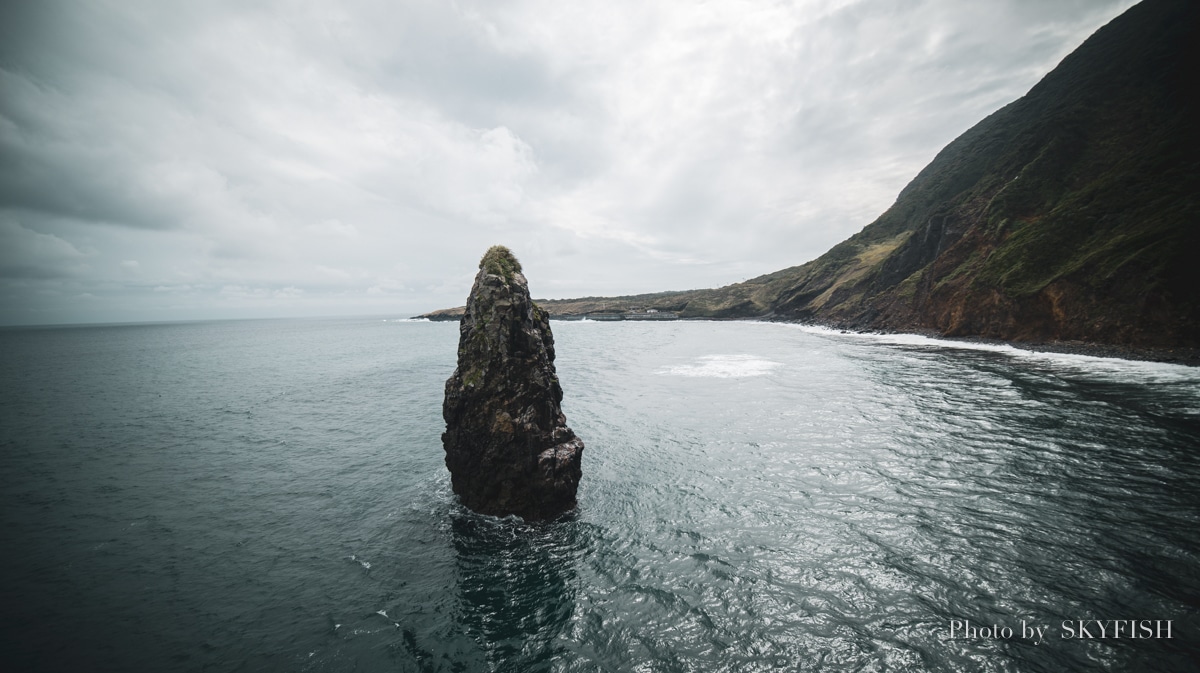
(270, 495)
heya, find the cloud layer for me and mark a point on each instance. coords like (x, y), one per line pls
(164, 161)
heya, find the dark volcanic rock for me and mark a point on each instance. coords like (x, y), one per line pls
(507, 443)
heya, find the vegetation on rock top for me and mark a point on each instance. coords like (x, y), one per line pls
(500, 261)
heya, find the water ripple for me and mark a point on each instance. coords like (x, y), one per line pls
(271, 496)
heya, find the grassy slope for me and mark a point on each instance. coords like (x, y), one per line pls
(1069, 214)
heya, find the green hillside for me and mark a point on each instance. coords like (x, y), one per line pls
(1068, 214)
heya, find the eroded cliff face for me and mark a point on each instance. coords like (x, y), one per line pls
(508, 447)
(1069, 215)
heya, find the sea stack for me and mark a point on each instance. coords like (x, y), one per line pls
(507, 443)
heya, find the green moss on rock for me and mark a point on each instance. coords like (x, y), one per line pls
(500, 261)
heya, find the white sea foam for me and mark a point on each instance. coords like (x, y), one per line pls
(723, 366)
(1093, 364)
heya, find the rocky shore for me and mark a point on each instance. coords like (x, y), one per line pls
(1177, 355)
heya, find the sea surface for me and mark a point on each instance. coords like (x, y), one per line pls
(271, 496)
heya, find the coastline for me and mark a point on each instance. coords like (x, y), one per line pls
(1180, 355)
(1189, 357)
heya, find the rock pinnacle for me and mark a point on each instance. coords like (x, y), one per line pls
(507, 443)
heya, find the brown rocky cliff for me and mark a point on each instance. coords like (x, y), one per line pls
(508, 447)
(1068, 215)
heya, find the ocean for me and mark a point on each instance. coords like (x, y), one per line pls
(271, 496)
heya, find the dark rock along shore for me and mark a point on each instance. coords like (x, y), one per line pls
(508, 447)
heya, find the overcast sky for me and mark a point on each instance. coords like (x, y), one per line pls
(166, 161)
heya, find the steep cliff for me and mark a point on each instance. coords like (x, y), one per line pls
(1070, 214)
(508, 447)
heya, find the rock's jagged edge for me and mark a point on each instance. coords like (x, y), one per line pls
(508, 447)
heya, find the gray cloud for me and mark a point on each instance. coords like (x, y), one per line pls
(194, 160)
(26, 254)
